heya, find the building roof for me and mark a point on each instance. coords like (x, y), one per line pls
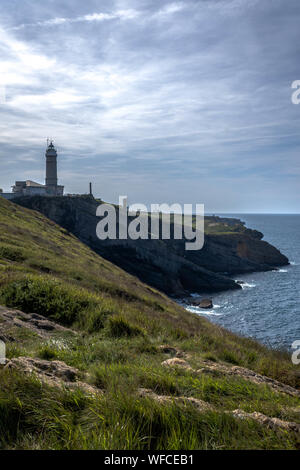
(34, 184)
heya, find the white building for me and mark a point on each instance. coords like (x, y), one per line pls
(31, 188)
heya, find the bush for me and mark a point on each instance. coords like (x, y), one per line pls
(47, 297)
(229, 356)
(94, 321)
(47, 353)
(118, 326)
(10, 253)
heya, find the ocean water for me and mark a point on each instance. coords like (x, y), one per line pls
(268, 306)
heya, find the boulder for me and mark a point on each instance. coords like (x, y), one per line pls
(200, 405)
(52, 370)
(53, 373)
(176, 362)
(172, 351)
(272, 423)
(203, 303)
(168, 350)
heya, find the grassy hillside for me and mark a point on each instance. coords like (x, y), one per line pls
(123, 332)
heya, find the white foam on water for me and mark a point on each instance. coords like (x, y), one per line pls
(293, 263)
(279, 270)
(210, 313)
(247, 285)
(200, 311)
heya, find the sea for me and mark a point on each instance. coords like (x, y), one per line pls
(268, 306)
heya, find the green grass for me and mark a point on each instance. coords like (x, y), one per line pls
(121, 324)
(39, 417)
(118, 326)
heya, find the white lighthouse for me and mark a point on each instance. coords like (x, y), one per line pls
(51, 166)
(51, 171)
(31, 188)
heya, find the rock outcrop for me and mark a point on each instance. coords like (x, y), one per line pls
(176, 362)
(53, 373)
(202, 303)
(210, 367)
(272, 423)
(204, 407)
(32, 321)
(248, 374)
(200, 405)
(165, 264)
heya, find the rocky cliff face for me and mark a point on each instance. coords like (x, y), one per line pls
(229, 249)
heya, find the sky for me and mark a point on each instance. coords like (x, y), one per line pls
(165, 102)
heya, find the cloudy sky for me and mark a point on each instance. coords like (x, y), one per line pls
(163, 101)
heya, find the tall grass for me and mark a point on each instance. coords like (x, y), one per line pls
(120, 325)
(35, 417)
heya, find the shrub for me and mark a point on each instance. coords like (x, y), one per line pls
(47, 297)
(47, 353)
(10, 253)
(94, 322)
(229, 356)
(179, 333)
(210, 357)
(118, 326)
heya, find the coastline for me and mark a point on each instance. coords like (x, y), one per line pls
(267, 307)
(102, 343)
(229, 247)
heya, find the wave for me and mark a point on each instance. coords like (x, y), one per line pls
(279, 270)
(293, 263)
(247, 285)
(202, 312)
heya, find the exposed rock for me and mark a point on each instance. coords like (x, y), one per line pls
(210, 366)
(246, 374)
(32, 321)
(168, 349)
(295, 410)
(165, 264)
(241, 283)
(272, 423)
(176, 362)
(171, 350)
(52, 369)
(201, 405)
(203, 303)
(147, 393)
(54, 373)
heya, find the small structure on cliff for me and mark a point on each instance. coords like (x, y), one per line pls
(31, 188)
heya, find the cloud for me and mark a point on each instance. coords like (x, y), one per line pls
(181, 96)
(171, 8)
(93, 17)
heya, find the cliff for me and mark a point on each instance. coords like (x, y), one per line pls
(230, 248)
(95, 359)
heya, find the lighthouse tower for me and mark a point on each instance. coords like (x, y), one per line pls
(51, 171)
